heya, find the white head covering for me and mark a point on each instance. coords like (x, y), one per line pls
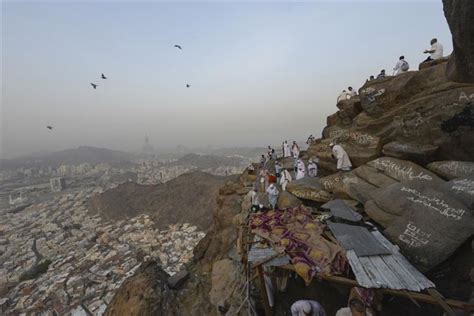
(306, 307)
(331, 144)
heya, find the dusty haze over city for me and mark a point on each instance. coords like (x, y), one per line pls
(259, 72)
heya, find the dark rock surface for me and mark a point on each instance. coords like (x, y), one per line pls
(431, 223)
(177, 280)
(419, 153)
(145, 293)
(452, 169)
(460, 17)
(308, 189)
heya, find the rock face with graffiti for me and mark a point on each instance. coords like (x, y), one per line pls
(430, 222)
(415, 108)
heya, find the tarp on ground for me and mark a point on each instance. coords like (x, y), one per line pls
(295, 232)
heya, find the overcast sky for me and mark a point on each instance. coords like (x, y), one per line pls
(260, 72)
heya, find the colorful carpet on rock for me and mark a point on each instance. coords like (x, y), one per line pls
(296, 233)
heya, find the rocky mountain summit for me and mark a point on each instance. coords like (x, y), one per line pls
(188, 198)
(411, 141)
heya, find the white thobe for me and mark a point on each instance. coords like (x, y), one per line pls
(296, 151)
(285, 179)
(343, 161)
(316, 308)
(299, 174)
(398, 67)
(438, 51)
(312, 169)
(286, 150)
(342, 96)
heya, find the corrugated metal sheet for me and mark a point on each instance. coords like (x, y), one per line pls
(340, 209)
(358, 239)
(257, 255)
(392, 271)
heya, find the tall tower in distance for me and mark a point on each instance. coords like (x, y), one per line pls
(147, 148)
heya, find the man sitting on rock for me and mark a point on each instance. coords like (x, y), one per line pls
(381, 74)
(352, 92)
(343, 96)
(343, 161)
(401, 66)
(436, 51)
(307, 308)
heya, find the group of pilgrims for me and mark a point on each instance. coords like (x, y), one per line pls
(283, 176)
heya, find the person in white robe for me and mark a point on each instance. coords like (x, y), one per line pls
(312, 169)
(278, 169)
(343, 161)
(436, 50)
(399, 67)
(296, 150)
(285, 179)
(300, 169)
(307, 308)
(286, 149)
(352, 92)
(273, 193)
(343, 96)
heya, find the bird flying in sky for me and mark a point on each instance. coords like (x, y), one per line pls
(94, 85)
(49, 127)
(103, 76)
(188, 85)
(178, 46)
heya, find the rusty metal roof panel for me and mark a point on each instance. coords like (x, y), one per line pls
(357, 238)
(392, 271)
(340, 209)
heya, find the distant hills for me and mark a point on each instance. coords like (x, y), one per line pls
(75, 156)
(189, 198)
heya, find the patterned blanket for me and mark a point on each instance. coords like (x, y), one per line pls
(296, 233)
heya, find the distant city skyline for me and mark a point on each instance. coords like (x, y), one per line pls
(259, 72)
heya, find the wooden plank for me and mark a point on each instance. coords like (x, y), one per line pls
(441, 301)
(263, 288)
(417, 296)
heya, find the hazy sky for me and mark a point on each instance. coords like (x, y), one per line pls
(260, 72)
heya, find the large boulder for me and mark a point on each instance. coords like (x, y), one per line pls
(357, 188)
(361, 183)
(377, 95)
(420, 107)
(419, 153)
(428, 222)
(309, 189)
(145, 293)
(462, 189)
(460, 17)
(431, 63)
(287, 200)
(360, 146)
(403, 170)
(452, 169)
(225, 278)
